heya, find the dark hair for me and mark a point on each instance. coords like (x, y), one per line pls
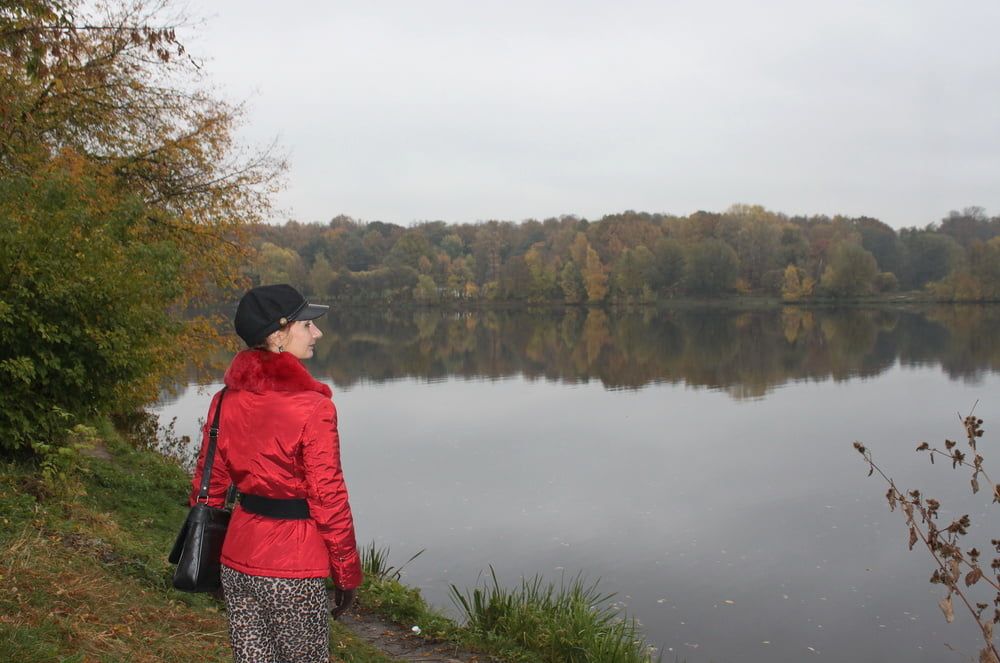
(263, 344)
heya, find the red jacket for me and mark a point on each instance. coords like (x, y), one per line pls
(278, 438)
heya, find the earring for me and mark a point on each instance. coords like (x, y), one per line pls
(281, 348)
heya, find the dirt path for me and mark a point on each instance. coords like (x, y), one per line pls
(399, 643)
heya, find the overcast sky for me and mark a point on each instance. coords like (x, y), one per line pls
(466, 111)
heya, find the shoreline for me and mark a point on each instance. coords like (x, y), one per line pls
(99, 535)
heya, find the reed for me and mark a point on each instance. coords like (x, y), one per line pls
(568, 622)
(375, 562)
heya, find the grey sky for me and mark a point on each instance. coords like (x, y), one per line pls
(465, 111)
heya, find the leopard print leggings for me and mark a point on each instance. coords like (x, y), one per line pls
(276, 620)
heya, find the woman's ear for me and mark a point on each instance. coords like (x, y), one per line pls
(275, 342)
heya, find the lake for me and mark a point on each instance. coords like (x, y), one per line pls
(698, 461)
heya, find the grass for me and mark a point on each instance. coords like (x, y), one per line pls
(539, 622)
(375, 563)
(64, 605)
(85, 573)
(84, 568)
(572, 622)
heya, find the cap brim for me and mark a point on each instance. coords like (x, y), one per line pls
(311, 312)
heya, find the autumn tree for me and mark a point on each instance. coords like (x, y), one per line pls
(668, 264)
(453, 245)
(882, 242)
(977, 278)
(113, 87)
(544, 278)
(276, 264)
(756, 241)
(571, 283)
(851, 271)
(425, 291)
(822, 234)
(984, 264)
(124, 198)
(796, 284)
(711, 267)
(409, 250)
(930, 256)
(970, 225)
(632, 271)
(376, 239)
(793, 248)
(616, 232)
(458, 276)
(595, 277)
(321, 276)
(489, 248)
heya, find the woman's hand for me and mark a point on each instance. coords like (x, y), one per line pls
(340, 600)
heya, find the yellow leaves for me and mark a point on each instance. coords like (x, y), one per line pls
(595, 278)
(791, 288)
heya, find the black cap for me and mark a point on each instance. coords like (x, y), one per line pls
(265, 309)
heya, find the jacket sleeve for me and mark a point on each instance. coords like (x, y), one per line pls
(327, 494)
(220, 471)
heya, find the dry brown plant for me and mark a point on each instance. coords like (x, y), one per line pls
(958, 570)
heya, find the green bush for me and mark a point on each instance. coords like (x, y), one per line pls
(83, 326)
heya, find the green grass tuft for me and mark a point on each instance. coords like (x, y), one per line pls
(566, 623)
(375, 562)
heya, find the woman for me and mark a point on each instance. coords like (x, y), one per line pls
(278, 444)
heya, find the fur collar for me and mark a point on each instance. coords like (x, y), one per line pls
(260, 370)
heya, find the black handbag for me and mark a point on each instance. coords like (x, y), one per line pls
(198, 547)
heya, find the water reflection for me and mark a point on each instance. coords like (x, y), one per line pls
(735, 527)
(746, 353)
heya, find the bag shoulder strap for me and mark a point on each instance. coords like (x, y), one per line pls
(213, 440)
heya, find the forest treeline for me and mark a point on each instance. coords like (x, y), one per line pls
(747, 353)
(636, 257)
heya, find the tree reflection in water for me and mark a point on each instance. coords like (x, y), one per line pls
(746, 353)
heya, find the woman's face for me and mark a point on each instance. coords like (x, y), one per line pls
(300, 337)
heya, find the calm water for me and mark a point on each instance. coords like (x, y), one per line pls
(698, 462)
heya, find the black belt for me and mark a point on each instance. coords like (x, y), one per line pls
(284, 509)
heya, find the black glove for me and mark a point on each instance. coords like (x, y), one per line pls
(340, 600)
